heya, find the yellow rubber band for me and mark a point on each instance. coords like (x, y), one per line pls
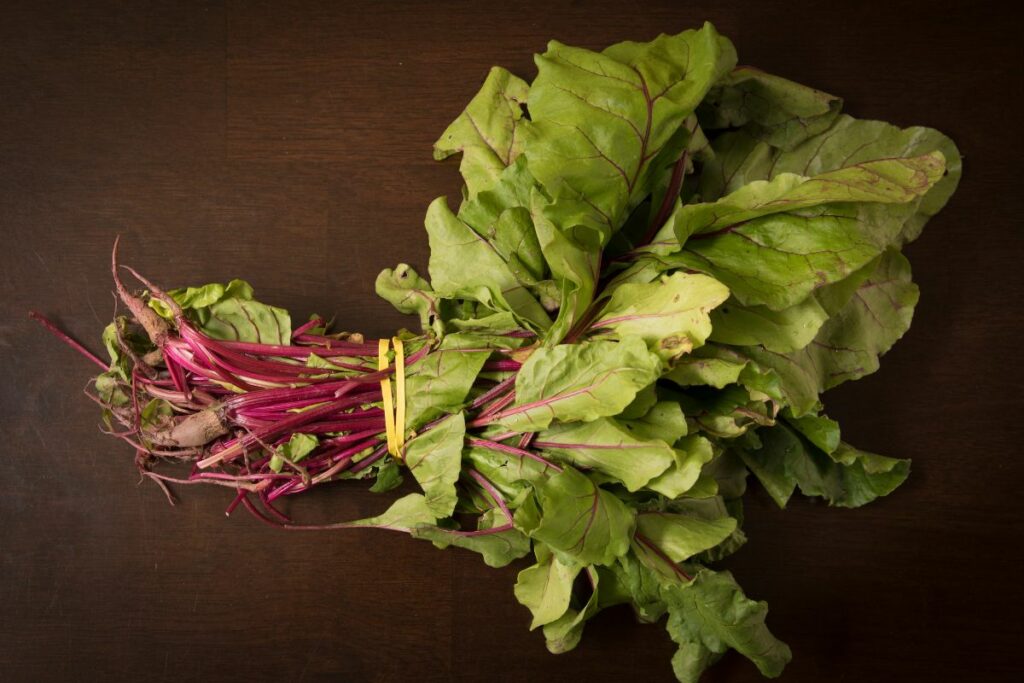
(394, 409)
(399, 395)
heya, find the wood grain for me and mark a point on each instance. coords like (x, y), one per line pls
(289, 143)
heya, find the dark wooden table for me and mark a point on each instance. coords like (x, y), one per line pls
(291, 146)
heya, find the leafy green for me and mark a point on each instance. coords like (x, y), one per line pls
(230, 312)
(599, 120)
(659, 264)
(609, 447)
(773, 243)
(465, 265)
(440, 383)
(671, 315)
(579, 520)
(584, 381)
(407, 514)
(845, 478)
(712, 613)
(546, 586)
(404, 289)
(486, 132)
(435, 459)
(681, 536)
(498, 548)
(778, 111)
(292, 451)
(849, 344)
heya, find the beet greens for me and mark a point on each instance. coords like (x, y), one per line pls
(659, 263)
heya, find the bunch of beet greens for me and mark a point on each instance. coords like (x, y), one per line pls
(659, 263)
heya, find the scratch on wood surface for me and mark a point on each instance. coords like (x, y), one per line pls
(35, 428)
(42, 261)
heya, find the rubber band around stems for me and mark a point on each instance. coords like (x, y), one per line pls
(394, 409)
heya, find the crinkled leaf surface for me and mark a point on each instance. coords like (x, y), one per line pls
(564, 633)
(663, 421)
(713, 611)
(404, 289)
(787, 330)
(740, 159)
(691, 454)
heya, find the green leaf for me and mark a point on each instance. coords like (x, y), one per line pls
(737, 159)
(849, 344)
(598, 120)
(465, 265)
(712, 371)
(109, 338)
(640, 583)
(681, 536)
(664, 421)
(854, 141)
(712, 611)
(239, 319)
(849, 478)
(609, 447)
(156, 414)
(545, 587)
(868, 476)
(501, 215)
(494, 324)
(671, 314)
(787, 330)
(691, 659)
(583, 381)
(773, 109)
(511, 474)
(574, 258)
(434, 458)
(487, 131)
(293, 450)
(120, 362)
(691, 454)
(110, 389)
(563, 634)
(498, 547)
(404, 289)
(641, 404)
(441, 381)
(580, 520)
(407, 514)
(774, 243)
(730, 412)
(818, 429)
(389, 477)
(740, 159)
